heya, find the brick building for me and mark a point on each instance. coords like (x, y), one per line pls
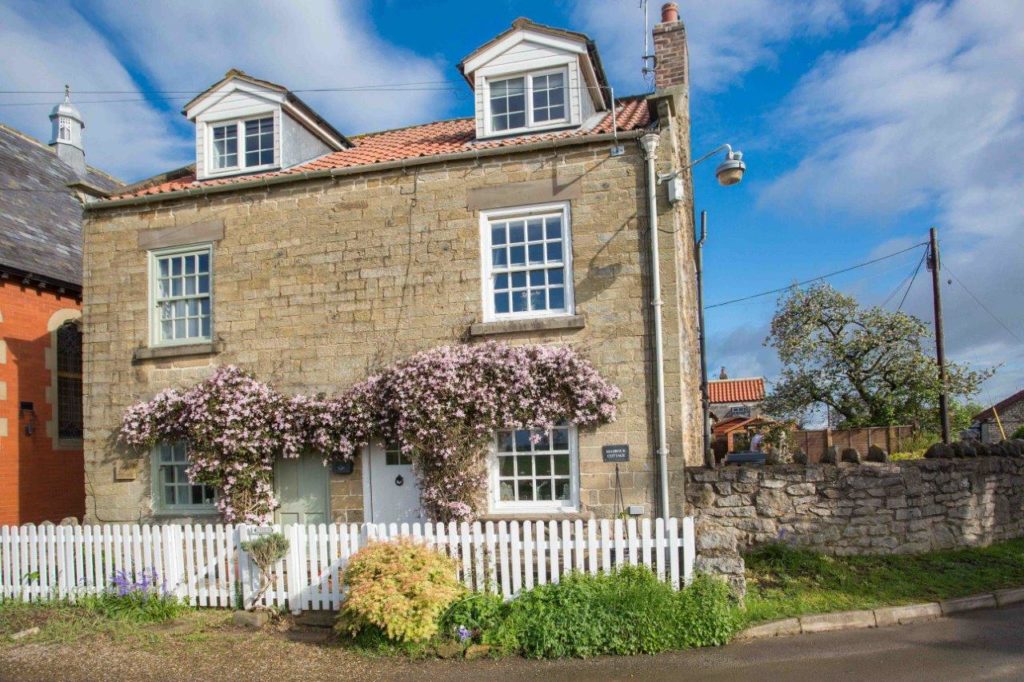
(309, 259)
(41, 469)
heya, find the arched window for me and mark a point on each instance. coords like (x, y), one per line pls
(69, 381)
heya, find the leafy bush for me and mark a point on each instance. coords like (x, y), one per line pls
(402, 587)
(139, 599)
(1019, 433)
(472, 616)
(265, 552)
(623, 613)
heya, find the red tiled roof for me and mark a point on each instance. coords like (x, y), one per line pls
(1001, 406)
(736, 390)
(430, 139)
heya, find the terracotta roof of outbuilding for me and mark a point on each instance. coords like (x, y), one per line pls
(40, 218)
(736, 390)
(426, 140)
(1001, 406)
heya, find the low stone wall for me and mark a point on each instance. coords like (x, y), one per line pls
(901, 507)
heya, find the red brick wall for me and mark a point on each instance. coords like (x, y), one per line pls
(37, 481)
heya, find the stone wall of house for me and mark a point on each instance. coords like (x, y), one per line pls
(902, 507)
(1011, 418)
(318, 282)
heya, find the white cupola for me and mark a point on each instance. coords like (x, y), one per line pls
(66, 135)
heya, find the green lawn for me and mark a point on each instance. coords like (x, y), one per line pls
(784, 582)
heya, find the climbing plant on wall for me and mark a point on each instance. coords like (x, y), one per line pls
(441, 407)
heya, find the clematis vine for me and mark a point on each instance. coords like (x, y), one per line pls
(234, 427)
(441, 407)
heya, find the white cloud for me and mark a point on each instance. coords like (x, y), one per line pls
(312, 44)
(927, 116)
(725, 39)
(187, 46)
(45, 50)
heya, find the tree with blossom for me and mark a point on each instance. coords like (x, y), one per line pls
(441, 407)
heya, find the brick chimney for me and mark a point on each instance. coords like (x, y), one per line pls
(670, 66)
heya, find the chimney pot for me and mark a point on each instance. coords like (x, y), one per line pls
(669, 13)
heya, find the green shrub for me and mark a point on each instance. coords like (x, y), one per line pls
(266, 551)
(1019, 433)
(623, 613)
(473, 615)
(402, 587)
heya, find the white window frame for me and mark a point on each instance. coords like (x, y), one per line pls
(157, 491)
(487, 267)
(239, 123)
(570, 506)
(531, 125)
(155, 338)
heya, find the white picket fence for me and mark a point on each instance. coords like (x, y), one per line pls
(205, 564)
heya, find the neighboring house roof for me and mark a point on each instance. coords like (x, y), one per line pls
(736, 390)
(1001, 406)
(41, 220)
(737, 423)
(430, 139)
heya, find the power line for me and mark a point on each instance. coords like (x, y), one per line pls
(897, 289)
(911, 286)
(815, 279)
(984, 307)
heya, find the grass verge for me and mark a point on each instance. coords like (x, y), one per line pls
(783, 582)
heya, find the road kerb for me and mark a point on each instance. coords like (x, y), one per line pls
(902, 615)
(1011, 596)
(882, 617)
(844, 620)
(976, 601)
(775, 628)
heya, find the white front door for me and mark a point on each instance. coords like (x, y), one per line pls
(392, 492)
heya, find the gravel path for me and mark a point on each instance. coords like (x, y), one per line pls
(982, 645)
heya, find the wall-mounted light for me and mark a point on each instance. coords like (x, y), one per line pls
(729, 172)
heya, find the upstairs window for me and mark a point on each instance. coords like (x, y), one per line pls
(522, 102)
(181, 295)
(257, 136)
(526, 262)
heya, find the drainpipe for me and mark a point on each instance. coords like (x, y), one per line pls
(650, 145)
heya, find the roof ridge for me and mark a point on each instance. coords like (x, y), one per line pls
(39, 143)
(740, 379)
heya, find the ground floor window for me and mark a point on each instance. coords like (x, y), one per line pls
(536, 470)
(172, 489)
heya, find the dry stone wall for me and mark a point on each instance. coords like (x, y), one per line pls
(902, 507)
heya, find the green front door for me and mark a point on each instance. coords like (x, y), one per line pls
(301, 484)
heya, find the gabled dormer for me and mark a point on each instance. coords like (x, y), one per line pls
(247, 125)
(535, 78)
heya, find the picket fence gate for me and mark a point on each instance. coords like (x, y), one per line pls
(206, 565)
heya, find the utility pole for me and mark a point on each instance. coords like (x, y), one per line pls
(940, 351)
(705, 398)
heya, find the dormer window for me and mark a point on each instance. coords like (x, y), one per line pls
(529, 101)
(257, 135)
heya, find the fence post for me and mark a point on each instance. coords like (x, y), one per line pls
(245, 567)
(689, 549)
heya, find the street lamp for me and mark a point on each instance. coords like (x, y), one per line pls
(729, 172)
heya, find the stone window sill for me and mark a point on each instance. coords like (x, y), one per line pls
(536, 516)
(539, 324)
(170, 352)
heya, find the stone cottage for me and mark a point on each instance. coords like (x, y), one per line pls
(309, 258)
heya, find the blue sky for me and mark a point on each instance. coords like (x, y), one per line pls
(863, 123)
